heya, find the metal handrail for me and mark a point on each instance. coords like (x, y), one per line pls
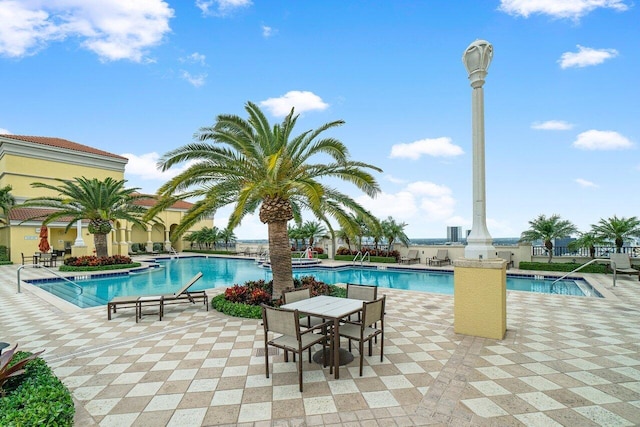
(50, 271)
(362, 257)
(584, 265)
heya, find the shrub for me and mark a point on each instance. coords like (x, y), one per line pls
(37, 397)
(4, 253)
(244, 300)
(158, 247)
(563, 267)
(94, 261)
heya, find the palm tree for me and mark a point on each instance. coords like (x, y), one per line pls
(345, 236)
(256, 166)
(393, 231)
(617, 229)
(589, 241)
(227, 236)
(548, 229)
(7, 201)
(101, 202)
(296, 235)
(313, 230)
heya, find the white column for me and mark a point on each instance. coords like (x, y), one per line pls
(477, 58)
(79, 241)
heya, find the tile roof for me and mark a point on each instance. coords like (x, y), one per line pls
(22, 214)
(62, 143)
(180, 204)
(25, 214)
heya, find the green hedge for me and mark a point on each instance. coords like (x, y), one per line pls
(237, 309)
(99, 267)
(382, 259)
(36, 398)
(563, 267)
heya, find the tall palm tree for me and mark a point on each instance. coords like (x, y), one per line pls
(254, 165)
(227, 236)
(588, 240)
(548, 229)
(313, 230)
(7, 201)
(617, 229)
(101, 202)
(393, 231)
(296, 235)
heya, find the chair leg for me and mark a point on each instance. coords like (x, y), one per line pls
(300, 371)
(370, 348)
(361, 356)
(266, 359)
(381, 345)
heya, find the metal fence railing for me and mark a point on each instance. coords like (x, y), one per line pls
(601, 251)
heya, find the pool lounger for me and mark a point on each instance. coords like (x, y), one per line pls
(181, 296)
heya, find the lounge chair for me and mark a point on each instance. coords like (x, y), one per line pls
(183, 295)
(441, 258)
(411, 257)
(621, 263)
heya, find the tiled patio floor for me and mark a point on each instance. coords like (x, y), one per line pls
(565, 361)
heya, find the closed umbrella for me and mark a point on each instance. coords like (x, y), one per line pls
(44, 240)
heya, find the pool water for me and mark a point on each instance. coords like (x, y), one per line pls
(224, 272)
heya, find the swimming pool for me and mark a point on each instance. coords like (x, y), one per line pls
(223, 272)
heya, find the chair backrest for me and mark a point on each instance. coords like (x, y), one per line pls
(373, 311)
(45, 256)
(296, 295)
(442, 254)
(620, 260)
(362, 292)
(412, 254)
(281, 321)
(186, 287)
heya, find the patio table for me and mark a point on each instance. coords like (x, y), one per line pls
(331, 308)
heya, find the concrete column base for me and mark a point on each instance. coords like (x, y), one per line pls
(480, 297)
(78, 251)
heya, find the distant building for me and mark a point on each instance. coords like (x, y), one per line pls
(454, 234)
(28, 159)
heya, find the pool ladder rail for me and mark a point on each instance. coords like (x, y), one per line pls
(50, 271)
(362, 257)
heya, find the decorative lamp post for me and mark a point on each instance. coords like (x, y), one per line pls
(476, 59)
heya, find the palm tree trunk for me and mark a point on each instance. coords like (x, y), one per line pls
(280, 253)
(100, 241)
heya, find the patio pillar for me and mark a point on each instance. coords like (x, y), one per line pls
(480, 278)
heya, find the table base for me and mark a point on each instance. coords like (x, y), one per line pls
(345, 356)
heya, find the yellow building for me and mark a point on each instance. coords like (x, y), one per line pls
(28, 159)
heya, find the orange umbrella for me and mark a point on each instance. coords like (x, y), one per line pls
(44, 240)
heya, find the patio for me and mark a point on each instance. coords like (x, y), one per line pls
(565, 361)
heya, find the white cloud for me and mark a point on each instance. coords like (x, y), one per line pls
(4, 131)
(602, 140)
(195, 58)
(145, 167)
(585, 183)
(418, 201)
(268, 31)
(301, 100)
(395, 180)
(573, 9)
(586, 56)
(197, 80)
(552, 125)
(436, 147)
(113, 29)
(221, 7)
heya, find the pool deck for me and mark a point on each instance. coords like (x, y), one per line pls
(571, 361)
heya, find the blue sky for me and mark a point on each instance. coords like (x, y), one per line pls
(562, 98)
